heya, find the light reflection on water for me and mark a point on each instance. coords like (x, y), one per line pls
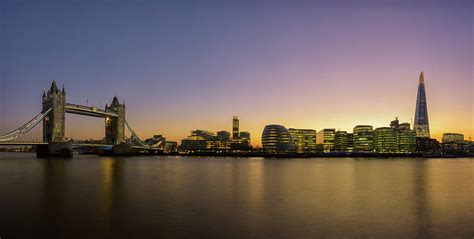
(229, 197)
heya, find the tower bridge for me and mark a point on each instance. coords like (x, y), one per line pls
(54, 109)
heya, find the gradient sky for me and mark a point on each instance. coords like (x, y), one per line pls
(190, 65)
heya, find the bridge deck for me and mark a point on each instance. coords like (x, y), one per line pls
(90, 111)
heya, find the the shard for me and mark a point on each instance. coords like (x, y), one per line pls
(422, 127)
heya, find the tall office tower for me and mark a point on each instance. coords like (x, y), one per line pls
(422, 127)
(235, 127)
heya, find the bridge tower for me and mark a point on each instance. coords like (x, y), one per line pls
(54, 122)
(115, 126)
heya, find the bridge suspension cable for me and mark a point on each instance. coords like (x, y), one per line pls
(134, 136)
(25, 128)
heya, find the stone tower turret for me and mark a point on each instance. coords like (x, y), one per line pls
(54, 122)
(115, 126)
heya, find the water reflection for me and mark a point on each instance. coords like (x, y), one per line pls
(421, 203)
(227, 197)
(112, 175)
(54, 188)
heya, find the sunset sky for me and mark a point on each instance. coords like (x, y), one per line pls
(184, 66)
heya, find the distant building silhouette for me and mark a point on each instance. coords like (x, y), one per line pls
(422, 127)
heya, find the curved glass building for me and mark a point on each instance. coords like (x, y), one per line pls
(277, 139)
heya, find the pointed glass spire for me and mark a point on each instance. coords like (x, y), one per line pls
(421, 113)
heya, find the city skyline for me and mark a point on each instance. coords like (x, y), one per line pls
(342, 67)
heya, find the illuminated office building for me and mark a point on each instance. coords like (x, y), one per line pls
(326, 137)
(406, 138)
(193, 143)
(304, 139)
(363, 138)
(199, 140)
(452, 137)
(277, 139)
(343, 142)
(240, 140)
(385, 140)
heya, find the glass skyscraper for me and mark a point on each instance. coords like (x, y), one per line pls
(422, 127)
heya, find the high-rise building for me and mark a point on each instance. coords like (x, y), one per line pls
(305, 140)
(422, 127)
(235, 127)
(406, 138)
(363, 138)
(385, 140)
(277, 139)
(326, 138)
(452, 137)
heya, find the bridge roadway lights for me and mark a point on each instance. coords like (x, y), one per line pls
(54, 150)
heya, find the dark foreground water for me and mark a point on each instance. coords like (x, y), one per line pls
(154, 197)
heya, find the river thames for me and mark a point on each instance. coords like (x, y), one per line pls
(211, 197)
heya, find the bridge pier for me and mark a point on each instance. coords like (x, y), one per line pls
(54, 150)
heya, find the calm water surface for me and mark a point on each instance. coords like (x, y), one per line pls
(169, 197)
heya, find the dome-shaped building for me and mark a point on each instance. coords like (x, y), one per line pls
(277, 139)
